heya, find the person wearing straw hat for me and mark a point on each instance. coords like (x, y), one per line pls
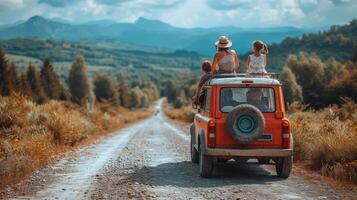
(225, 60)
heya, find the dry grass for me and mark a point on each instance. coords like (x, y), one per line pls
(327, 139)
(30, 134)
(184, 114)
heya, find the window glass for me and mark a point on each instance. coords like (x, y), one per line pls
(262, 98)
(208, 99)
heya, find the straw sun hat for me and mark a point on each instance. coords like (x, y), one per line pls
(223, 42)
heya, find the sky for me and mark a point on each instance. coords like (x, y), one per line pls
(188, 13)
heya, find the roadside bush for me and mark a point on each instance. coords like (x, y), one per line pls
(31, 134)
(327, 141)
(106, 89)
(184, 114)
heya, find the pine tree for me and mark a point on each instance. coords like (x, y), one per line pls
(79, 83)
(11, 78)
(170, 91)
(34, 80)
(291, 90)
(4, 65)
(24, 86)
(105, 89)
(50, 82)
(354, 57)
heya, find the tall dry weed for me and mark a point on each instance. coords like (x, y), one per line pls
(31, 134)
(327, 139)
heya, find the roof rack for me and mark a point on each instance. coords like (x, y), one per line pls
(248, 75)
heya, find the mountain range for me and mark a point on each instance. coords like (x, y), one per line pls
(148, 33)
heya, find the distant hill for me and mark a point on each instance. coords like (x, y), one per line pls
(133, 64)
(339, 42)
(105, 53)
(147, 32)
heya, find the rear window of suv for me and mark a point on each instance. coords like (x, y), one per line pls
(262, 98)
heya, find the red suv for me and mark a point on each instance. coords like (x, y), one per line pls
(242, 118)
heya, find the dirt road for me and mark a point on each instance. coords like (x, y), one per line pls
(150, 160)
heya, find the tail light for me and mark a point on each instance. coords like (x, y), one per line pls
(286, 133)
(211, 134)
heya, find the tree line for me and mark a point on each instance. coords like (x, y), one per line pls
(44, 85)
(306, 78)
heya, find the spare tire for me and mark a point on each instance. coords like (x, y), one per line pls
(245, 123)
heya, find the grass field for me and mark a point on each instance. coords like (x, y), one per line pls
(31, 135)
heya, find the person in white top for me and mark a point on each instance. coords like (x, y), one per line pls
(257, 61)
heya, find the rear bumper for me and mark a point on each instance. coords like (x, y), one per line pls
(249, 152)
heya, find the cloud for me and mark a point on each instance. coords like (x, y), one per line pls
(230, 4)
(188, 13)
(56, 3)
(11, 4)
(111, 2)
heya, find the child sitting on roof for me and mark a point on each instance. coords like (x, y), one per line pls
(207, 75)
(257, 61)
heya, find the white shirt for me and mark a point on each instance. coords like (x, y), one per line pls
(257, 64)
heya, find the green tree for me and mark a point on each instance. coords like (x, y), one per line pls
(291, 90)
(105, 89)
(334, 70)
(152, 92)
(136, 97)
(346, 86)
(8, 75)
(79, 83)
(144, 101)
(125, 96)
(170, 91)
(34, 81)
(354, 57)
(24, 86)
(309, 72)
(50, 82)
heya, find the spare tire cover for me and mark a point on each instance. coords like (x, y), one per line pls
(245, 123)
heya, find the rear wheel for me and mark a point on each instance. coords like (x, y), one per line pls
(194, 152)
(206, 163)
(283, 166)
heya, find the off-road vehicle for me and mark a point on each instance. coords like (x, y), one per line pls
(242, 117)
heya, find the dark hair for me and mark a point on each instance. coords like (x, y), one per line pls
(206, 66)
(259, 46)
(223, 49)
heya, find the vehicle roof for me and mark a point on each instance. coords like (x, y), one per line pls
(239, 80)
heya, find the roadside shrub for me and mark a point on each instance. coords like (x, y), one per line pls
(105, 89)
(326, 140)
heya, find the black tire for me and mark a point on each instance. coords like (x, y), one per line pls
(222, 160)
(251, 120)
(206, 162)
(194, 152)
(284, 166)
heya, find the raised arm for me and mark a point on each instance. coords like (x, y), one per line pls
(247, 62)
